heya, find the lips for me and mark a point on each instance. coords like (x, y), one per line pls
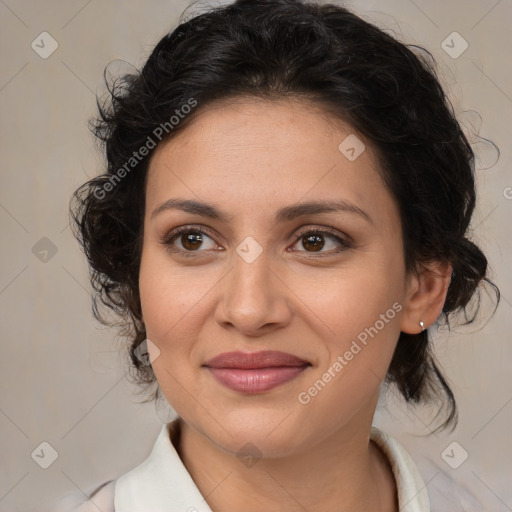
(255, 372)
(263, 359)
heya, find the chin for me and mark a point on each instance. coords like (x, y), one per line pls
(270, 434)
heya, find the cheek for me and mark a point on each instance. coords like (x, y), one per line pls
(357, 314)
(359, 346)
(167, 307)
(173, 302)
(344, 302)
(166, 293)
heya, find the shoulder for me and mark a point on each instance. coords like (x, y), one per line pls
(422, 473)
(101, 498)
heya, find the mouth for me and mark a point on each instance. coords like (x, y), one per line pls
(255, 372)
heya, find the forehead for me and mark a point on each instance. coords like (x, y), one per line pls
(237, 124)
(247, 152)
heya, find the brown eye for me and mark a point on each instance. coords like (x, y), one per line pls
(187, 240)
(191, 240)
(314, 241)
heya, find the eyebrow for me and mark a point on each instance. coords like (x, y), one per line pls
(286, 213)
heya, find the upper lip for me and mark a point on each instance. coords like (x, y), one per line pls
(263, 359)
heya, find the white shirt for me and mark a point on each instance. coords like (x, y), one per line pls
(163, 484)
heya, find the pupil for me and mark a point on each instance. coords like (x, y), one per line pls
(194, 240)
(316, 240)
(191, 239)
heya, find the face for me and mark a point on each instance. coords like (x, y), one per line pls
(324, 286)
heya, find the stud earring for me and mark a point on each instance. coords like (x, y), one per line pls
(422, 325)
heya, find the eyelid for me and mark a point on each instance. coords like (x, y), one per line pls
(345, 242)
(175, 232)
(325, 230)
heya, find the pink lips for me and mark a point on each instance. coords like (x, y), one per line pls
(255, 372)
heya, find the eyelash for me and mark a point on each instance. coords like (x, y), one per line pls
(173, 234)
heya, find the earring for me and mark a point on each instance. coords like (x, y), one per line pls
(422, 325)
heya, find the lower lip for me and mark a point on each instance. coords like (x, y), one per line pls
(255, 380)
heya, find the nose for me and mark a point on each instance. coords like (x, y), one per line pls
(254, 298)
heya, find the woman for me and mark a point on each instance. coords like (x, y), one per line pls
(283, 217)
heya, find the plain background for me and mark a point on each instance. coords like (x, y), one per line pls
(63, 376)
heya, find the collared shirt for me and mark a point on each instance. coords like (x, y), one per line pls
(163, 484)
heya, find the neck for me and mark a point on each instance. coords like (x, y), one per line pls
(345, 472)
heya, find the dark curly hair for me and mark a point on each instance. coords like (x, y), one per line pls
(275, 49)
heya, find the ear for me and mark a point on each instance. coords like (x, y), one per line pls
(426, 291)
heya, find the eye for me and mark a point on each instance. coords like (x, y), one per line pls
(190, 239)
(314, 239)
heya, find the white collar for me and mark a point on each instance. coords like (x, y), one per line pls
(412, 492)
(163, 484)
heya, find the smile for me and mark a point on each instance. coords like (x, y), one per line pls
(255, 380)
(255, 372)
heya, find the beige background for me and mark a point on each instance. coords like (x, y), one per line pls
(63, 377)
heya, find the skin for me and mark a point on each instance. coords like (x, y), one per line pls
(249, 158)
